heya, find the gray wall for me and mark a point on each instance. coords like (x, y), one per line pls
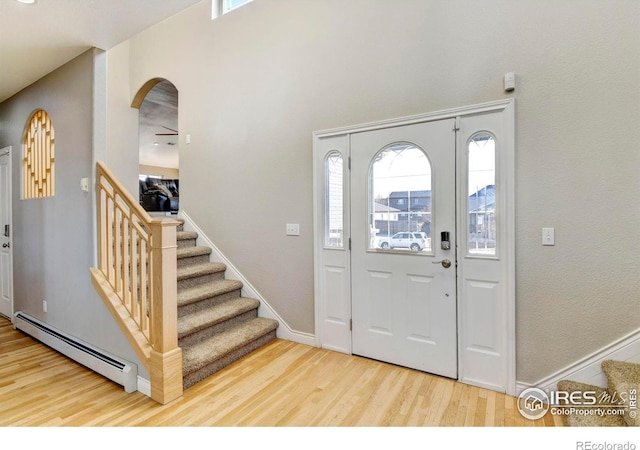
(256, 83)
(53, 237)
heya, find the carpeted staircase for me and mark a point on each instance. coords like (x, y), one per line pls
(623, 385)
(216, 325)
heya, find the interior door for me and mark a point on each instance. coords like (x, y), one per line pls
(404, 299)
(5, 233)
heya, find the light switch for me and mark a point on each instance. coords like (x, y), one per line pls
(84, 184)
(293, 229)
(548, 236)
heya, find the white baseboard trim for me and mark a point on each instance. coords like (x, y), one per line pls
(588, 370)
(100, 361)
(284, 331)
(144, 386)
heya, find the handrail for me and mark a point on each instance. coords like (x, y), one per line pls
(137, 279)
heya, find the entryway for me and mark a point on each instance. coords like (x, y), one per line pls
(415, 243)
(159, 173)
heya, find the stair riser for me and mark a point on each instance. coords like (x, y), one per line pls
(206, 333)
(207, 303)
(200, 280)
(182, 243)
(193, 260)
(213, 367)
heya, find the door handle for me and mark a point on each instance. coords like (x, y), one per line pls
(6, 245)
(445, 263)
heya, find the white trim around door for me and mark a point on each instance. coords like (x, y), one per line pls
(484, 241)
(6, 231)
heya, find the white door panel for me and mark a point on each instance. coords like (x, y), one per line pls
(333, 277)
(6, 306)
(404, 305)
(485, 270)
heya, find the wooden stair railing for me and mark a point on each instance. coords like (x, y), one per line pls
(136, 279)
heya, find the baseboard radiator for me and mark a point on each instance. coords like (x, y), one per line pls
(116, 369)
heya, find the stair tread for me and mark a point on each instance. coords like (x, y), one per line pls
(215, 288)
(623, 376)
(621, 371)
(211, 303)
(216, 347)
(188, 252)
(588, 420)
(196, 270)
(217, 314)
(185, 235)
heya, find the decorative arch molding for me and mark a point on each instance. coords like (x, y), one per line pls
(144, 90)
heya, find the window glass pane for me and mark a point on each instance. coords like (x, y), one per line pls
(400, 199)
(482, 195)
(334, 222)
(228, 5)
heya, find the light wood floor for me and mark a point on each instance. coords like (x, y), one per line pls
(282, 384)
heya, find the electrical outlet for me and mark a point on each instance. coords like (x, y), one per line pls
(44, 306)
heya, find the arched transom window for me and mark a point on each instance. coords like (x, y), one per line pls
(400, 199)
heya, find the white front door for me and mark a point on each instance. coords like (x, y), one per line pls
(5, 233)
(403, 205)
(381, 289)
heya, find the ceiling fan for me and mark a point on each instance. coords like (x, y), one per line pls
(175, 132)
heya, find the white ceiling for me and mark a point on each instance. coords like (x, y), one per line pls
(36, 39)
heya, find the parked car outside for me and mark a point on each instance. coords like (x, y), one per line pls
(415, 241)
(379, 238)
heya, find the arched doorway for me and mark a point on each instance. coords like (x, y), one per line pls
(159, 172)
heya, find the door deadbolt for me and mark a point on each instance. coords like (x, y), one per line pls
(444, 240)
(5, 245)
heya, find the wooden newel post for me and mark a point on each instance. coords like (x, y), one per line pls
(166, 356)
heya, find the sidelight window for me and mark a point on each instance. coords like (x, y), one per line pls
(334, 201)
(481, 182)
